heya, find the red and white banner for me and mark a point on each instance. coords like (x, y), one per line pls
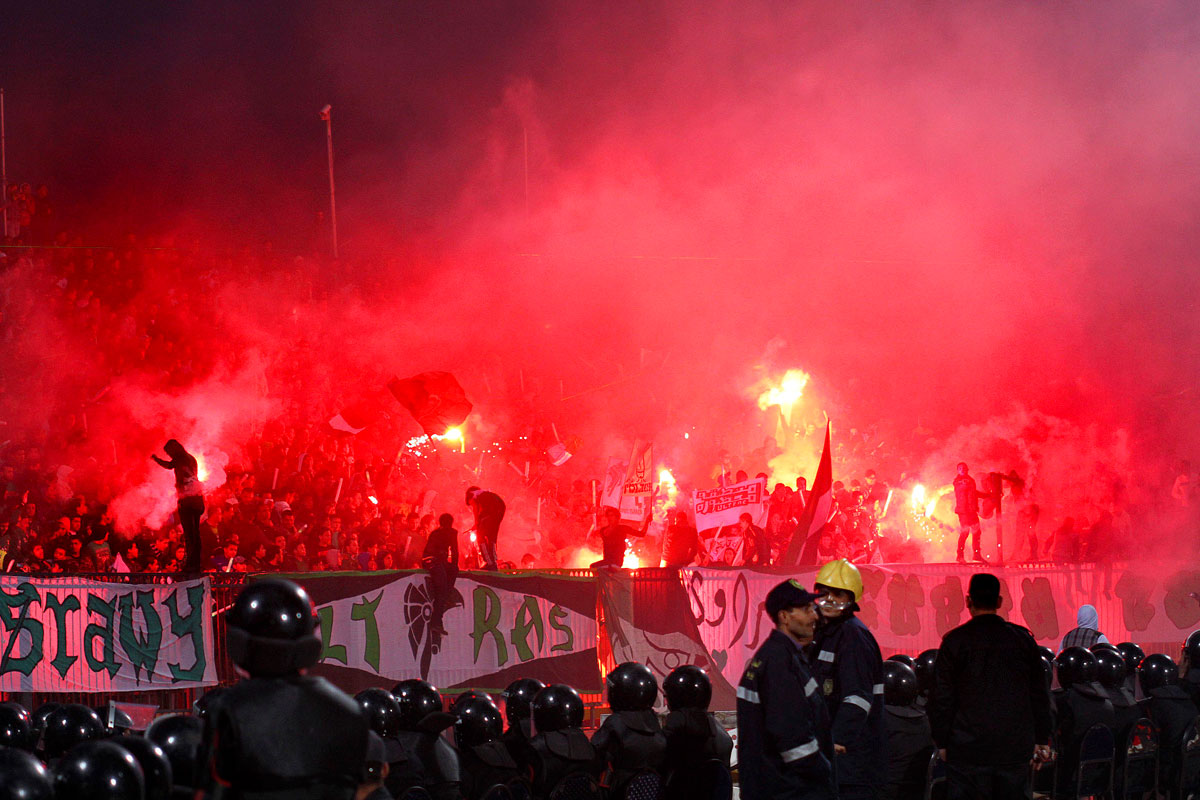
(723, 505)
(639, 475)
(910, 608)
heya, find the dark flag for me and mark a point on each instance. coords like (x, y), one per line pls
(817, 512)
(435, 400)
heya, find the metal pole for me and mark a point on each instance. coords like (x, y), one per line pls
(3, 169)
(327, 115)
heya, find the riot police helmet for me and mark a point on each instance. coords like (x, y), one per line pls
(631, 687)
(478, 722)
(180, 737)
(517, 698)
(900, 687)
(924, 668)
(156, 767)
(1110, 669)
(1191, 648)
(1133, 655)
(99, 771)
(905, 659)
(381, 710)
(23, 777)
(1156, 671)
(417, 700)
(688, 687)
(1075, 665)
(16, 727)
(556, 707)
(272, 629)
(68, 726)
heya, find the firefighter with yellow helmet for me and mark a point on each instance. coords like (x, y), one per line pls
(849, 669)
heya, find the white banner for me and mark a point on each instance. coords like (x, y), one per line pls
(75, 635)
(723, 505)
(639, 476)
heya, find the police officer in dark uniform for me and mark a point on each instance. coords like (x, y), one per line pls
(518, 698)
(784, 749)
(990, 712)
(1191, 667)
(849, 670)
(698, 748)
(1110, 674)
(910, 741)
(1133, 655)
(23, 777)
(1169, 708)
(280, 732)
(923, 666)
(181, 737)
(484, 760)
(429, 760)
(561, 749)
(630, 740)
(1079, 703)
(383, 717)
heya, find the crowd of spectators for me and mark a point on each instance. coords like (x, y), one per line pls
(165, 315)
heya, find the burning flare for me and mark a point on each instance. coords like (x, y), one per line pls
(786, 394)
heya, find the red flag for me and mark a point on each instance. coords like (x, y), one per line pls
(816, 515)
(354, 417)
(435, 399)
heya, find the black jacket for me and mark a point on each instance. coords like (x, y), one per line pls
(629, 742)
(516, 739)
(695, 742)
(910, 744)
(296, 737)
(485, 766)
(1076, 710)
(849, 669)
(1171, 711)
(430, 762)
(784, 749)
(990, 699)
(1191, 685)
(559, 755)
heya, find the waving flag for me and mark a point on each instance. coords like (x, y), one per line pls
(435, 399)
(817, 513)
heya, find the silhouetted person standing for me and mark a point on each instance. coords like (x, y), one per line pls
(191, 498)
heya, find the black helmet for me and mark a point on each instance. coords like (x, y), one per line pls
(417, 700)
(688, 687)
(381, 710)
(204, 704)
(1047, 653)
(179, 736)
(272, 629)
(904, 659)
(1110, 668)
(924, 669)
(99, 771)
(1156, 671)
(1133, 656)
(471, 694)
(16, 726)
(518, 696)
(478, 722)
(68, 726)
(156, 767)
(556, 707)
(121, 722)
(631, 687)
(1191, 647)
(39, 717)
(900, 686)
(23, 777)
(1075, 665)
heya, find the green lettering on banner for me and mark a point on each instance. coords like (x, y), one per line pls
(558, 616)
(142, 652)
(365, 611)
(59, 606)
(487, 620)
(27, 595)
(529, 617)
(191, 626)
(329, 652)
(107, 611)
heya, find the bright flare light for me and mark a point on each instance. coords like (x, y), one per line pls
(201, 470)
(374, 500)
(786, 394)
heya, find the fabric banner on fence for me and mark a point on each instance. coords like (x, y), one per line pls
(647, 620)
(910, 608)
(75, 635)
(376, 630)
(723, 505)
